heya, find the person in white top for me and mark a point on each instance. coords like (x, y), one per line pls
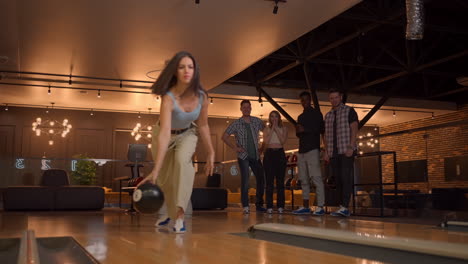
(274, 160)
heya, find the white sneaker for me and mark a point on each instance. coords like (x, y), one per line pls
(269, 211)
(179, 226)
(246, 210)
(280, 210)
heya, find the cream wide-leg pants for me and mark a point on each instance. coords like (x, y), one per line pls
(177, 173)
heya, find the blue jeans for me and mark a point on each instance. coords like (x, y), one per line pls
(257, 169)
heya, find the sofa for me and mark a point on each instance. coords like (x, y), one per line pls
(54, 193)
(209, 198)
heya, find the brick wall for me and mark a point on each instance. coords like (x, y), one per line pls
(433, 144)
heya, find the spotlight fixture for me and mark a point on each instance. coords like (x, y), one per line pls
(211, 100)
(6, 107)
(275, 9)
(432, 116)
(139, 115)
(70, 80)
(99, 93)
(48, 91)
(394, 114)
(120, 83)
(92, 113)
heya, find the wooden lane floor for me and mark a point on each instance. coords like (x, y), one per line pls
(114, 237)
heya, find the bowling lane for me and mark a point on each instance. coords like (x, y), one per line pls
(111, 236)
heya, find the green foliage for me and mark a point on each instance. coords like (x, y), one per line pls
(85, 173)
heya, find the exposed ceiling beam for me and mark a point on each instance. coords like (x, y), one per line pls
(437, 28)
(459, 90)
(313, 92)
(329, 47)
(417, 69)
(275, 104)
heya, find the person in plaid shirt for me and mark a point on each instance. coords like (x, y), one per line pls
(246, 131)
(341, 127)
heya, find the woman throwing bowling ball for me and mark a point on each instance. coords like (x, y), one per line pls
(183, 115)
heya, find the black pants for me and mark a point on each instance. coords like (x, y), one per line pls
(274, 163)
(257, 169)
(342, 169)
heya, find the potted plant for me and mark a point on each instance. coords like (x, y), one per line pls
(85, 171)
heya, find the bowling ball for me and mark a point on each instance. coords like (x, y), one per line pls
(148, 198)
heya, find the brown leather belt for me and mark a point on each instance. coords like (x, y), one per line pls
(179, 131)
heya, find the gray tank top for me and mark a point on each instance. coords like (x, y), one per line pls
(182, 119)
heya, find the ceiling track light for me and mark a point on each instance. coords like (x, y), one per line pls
(276, 7)
(99, 94)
